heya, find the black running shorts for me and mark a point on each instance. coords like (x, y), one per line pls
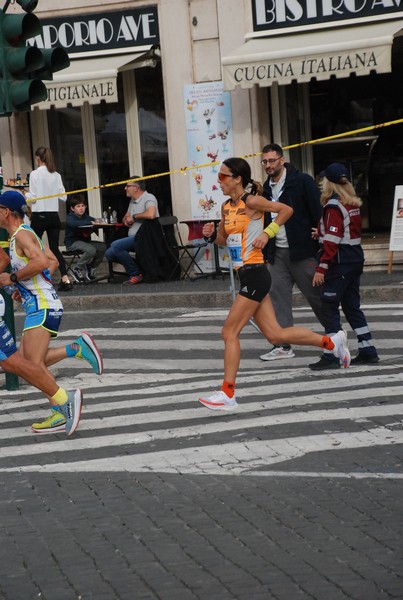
(255, 282)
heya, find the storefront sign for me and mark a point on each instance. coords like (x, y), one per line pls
(304, 68)
(278, 14)
(76, 93)
(100, 31)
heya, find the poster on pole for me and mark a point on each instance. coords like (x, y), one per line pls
(209, 139)
(396, 232)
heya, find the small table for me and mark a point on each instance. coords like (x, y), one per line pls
(109, 229)
(195, 233)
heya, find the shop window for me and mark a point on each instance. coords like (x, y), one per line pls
(111, 144)
(343, 105)
(335, 108)
(66, 142)
(295, 122)
(153, 135)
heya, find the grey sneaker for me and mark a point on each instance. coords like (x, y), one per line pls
(72, 410)
(90, 273)
(341, 348)
(77, 274)
(277, 352)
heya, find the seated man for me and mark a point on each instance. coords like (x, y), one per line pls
(142, 206)
(78, 237)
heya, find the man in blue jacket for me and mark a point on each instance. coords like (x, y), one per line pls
(292, 253)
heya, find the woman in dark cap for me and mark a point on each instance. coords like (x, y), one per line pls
(341, 264)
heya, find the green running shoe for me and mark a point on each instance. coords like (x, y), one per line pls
(89, 351)
(56, 422)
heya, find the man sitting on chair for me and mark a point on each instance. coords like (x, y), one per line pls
(142, 206)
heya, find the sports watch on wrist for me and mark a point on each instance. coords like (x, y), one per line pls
(13, 277)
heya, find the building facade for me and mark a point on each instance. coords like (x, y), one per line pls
(296, 72)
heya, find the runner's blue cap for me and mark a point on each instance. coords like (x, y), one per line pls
(14, 201)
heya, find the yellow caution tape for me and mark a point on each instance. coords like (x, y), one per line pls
(184, 170)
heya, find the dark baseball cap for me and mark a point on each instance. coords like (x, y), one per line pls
(335, 172)
(14, 201)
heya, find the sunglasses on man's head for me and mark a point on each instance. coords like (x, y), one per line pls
(223, 176)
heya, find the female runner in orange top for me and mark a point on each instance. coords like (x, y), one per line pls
(241, 230)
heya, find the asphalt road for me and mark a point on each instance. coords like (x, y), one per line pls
(297, 495)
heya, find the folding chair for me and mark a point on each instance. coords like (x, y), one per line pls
(179, 251)
(71, 257)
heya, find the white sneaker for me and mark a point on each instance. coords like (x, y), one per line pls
(341, 348)
(277, 352)
(219, 401)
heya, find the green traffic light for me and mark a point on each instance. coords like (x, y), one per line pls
(20, 28)
(22, 67)
(24, 60)
(54, 60)
(25, 93)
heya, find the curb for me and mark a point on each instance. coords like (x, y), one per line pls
(161, 300)
(216, 299)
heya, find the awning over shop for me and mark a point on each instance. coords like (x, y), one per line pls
(92, 79)
(317, 54)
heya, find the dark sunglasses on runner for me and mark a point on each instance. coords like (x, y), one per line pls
(223, 176)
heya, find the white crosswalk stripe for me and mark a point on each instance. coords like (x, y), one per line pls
(142, 415)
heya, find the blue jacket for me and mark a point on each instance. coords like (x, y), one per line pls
(302, 194)
(73, 232)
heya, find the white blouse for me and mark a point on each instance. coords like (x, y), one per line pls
(43, 183)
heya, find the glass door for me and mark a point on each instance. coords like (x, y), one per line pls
(113, 158)
(66, 143)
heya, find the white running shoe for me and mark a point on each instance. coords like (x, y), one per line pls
(219, 401)
(341, 348)
(276, 353)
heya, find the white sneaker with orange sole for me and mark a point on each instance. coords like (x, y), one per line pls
(219, 401)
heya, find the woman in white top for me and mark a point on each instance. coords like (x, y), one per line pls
(46, 181)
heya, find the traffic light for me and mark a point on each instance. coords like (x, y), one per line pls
(54, 60)
(23, 67)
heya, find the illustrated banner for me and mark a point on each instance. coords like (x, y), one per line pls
(209, 139)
